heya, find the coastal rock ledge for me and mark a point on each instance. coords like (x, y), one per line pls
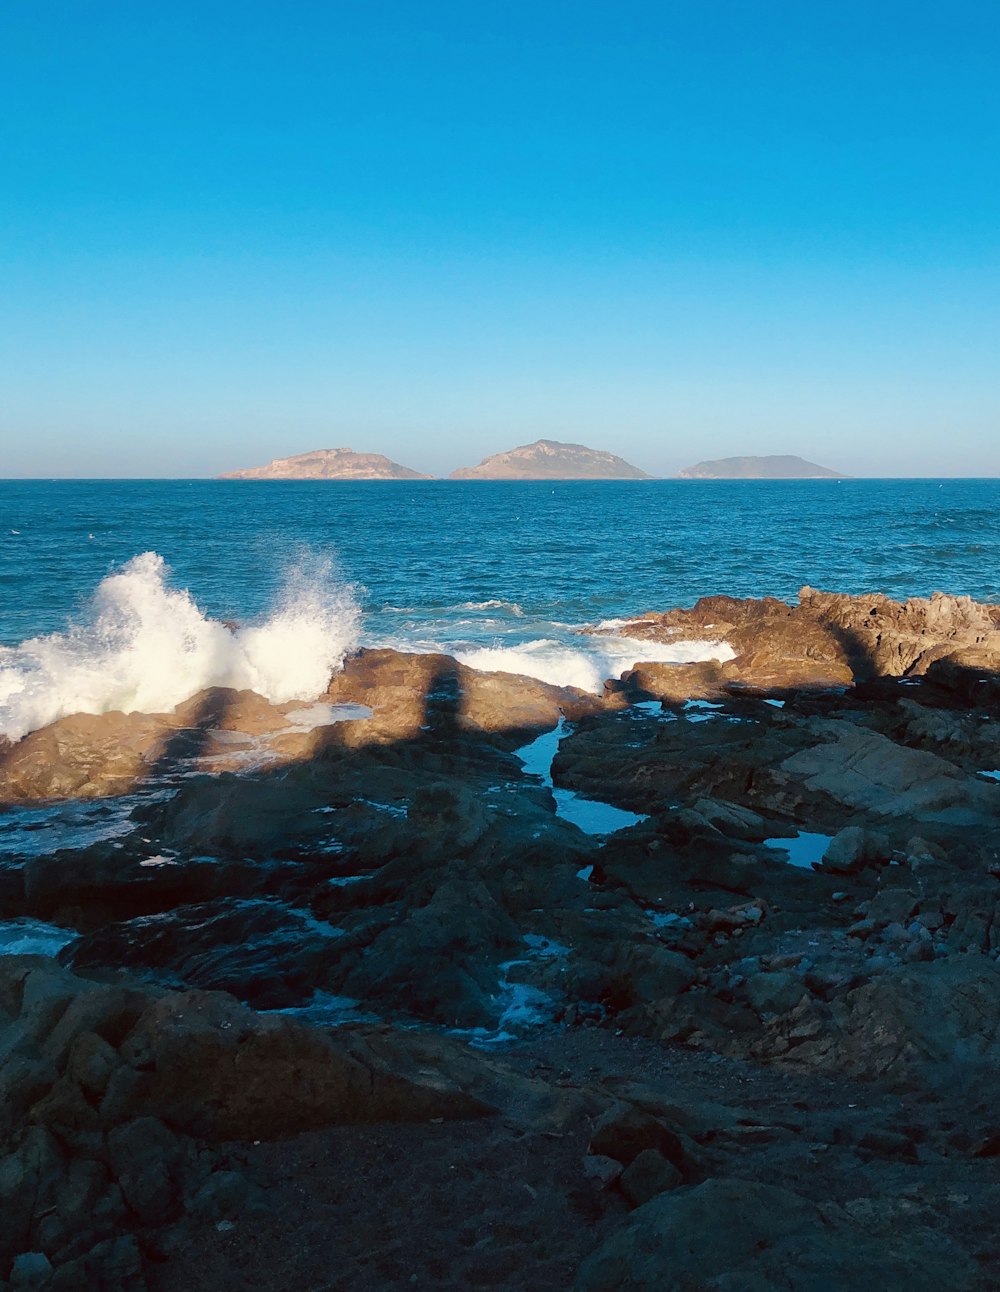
(461, 980)
(830, 639)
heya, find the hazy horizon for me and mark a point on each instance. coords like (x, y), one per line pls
(676, 232)
(430, 477)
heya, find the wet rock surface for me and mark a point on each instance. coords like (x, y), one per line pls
(343, 999)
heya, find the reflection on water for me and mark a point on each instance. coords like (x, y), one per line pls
(588, 815)
(805, 850)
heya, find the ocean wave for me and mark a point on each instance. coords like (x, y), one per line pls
(590, 664)
(493, 604)
(437, 611)
(144, 646)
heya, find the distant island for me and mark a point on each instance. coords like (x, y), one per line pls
(542, 460)
(551, 460)
(329, 464)
(774, 467)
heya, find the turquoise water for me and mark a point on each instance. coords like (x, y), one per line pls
(502, 573)
(570, 551)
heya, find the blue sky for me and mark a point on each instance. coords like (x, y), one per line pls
(230, 232)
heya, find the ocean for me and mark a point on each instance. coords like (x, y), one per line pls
(136, 594)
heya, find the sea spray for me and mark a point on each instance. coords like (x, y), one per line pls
(144, 646)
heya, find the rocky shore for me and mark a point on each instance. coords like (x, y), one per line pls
(373, 992)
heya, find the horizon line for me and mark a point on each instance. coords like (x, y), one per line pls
(449, 479)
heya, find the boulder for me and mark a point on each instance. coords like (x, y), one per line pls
(88, 756)
(29, 1177)
(84, 756)
(853, 848)
(145, 1158)
(733, 820)
(774, 992)
(30, 1270)
(735, 1235)
(649, 1174)
(624, 1132)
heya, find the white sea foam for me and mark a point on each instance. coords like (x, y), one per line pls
(612, 625)
(589, 664)
(144, 646)
(493, 604)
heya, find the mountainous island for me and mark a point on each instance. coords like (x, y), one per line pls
(543, 460)
(551, 460)
(773, 467)
(329, 464)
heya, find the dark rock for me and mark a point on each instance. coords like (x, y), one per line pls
(30, 1270)
(739, 1235)
(90, 1062)
(774, 993)
(853, 848)
(65, 1108)
(29, 1177)
(145, 1160)
(888, 1143)
(440, 962)
(111, 1266)
(212, 1068)
(223, 1196)
(893, 905)
(648, 1175)
(261, 951)
(623, 1132)
(23, 1082)
(603, 1171)
(85, 1212)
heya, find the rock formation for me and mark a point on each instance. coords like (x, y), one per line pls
(551, 460)
(832, 640)
(326, 974)
(328, 464)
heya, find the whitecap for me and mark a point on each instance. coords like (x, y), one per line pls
(494, 603)
(588, 665)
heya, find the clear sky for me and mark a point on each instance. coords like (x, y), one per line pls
(676, 230)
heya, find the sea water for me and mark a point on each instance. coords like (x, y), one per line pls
(137, 594)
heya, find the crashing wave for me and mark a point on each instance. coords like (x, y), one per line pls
(144, 646)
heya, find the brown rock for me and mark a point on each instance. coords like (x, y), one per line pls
(411, 694)
(83, 756)
(866, 771)
(831, 640)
